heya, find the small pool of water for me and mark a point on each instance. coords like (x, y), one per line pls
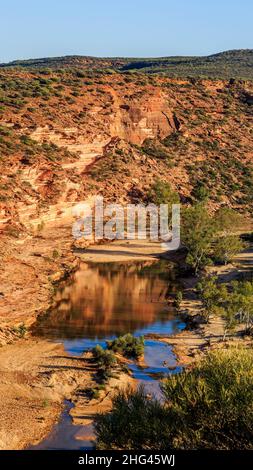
(159, 362)
(67, 436)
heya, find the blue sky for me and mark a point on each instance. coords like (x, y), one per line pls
(140, 28)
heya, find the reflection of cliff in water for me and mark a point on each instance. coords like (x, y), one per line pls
(110, 299)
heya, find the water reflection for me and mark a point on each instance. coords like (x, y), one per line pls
(109, 299)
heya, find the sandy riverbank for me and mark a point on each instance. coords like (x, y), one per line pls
(121, 250)
(35, 378)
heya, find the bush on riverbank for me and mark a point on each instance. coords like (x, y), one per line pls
(127, 345)
(226, 248)
(233, 302)
(105, 360)
(207, 407)
(208, 238)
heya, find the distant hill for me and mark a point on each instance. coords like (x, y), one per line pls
(229, 64)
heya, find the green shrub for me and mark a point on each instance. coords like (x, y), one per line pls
(201, 192)
(178, 299)
(55, 254)
(161, 193)
(207, 407)
(226, 248)
(105, 360)
(128, 345)
(21, 330)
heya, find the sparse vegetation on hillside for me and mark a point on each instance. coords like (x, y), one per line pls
(206, 156)
(228, 64)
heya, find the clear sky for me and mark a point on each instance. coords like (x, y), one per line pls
(141, 28)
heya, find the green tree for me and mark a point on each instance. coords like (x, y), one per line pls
(212, 295)
(226, 248)
(198, 231)
(227, 219)
(241, 303)
(162, 193)
(201, 192)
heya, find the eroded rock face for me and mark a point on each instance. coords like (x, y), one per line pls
(142, 117)
(134, 119)
(109, 119)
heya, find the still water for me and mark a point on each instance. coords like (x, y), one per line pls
(105, 300)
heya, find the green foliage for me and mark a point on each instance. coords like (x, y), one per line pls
(105, 360)
(136, 422)
(227, 219)
(201, 192)
(110, 166)
(178, 299)
(212, 296)
(41, 226)
(212, 405)
(207, 407)
(226, 248)
(240, 304)
(162, 193)
(198, 231)
(155, 150)
(234, 63)
(234, 302)
(55, 254)
(128, 345)
(21, 330)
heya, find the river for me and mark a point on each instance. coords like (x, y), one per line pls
(102, 301)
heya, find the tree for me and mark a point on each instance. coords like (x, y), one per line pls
(227, 219)
(178, 299)
(226, 248)
(162, 193)
(127, 345)
(241, 303)
(201, 192)
(234, 302)
(212, 296)
(198, 232)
